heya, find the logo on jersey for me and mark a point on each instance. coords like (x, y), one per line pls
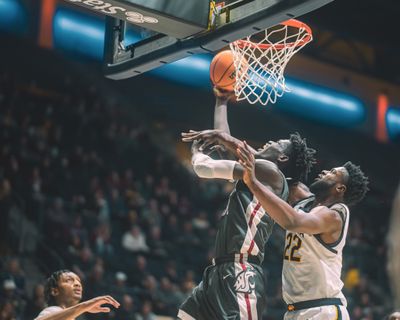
(245, 281)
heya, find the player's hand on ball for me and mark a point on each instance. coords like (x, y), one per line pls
(223, 94)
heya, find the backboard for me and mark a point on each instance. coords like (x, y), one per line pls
(180, 28)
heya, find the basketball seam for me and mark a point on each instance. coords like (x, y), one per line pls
(213, 70)
(226, 70)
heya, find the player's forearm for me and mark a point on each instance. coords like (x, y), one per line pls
(221, 115)
(66, 314)
(280, 211)
(206, 167)
(230, 143)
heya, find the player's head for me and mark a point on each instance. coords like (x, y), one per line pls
(347, 183)
(292, 156)
(394, 316)
(64, 288)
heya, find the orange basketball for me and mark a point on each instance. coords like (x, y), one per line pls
(222, 71)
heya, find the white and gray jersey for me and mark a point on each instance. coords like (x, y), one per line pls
(49, 310)
(312, 268)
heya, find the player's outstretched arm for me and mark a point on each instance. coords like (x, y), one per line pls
(206, 167)
(94, 305)
(213, 137)
(220, 110)
(319, 220)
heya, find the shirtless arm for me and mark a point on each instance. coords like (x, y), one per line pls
(206, 167)
(92, 306)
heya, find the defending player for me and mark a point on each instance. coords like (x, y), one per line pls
(316, 234)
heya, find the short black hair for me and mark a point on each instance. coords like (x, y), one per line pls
(52, 282)
(357, 185)
(302, 158)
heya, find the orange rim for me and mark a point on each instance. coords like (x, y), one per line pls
(290, 23)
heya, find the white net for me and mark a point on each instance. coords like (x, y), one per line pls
(260, 61)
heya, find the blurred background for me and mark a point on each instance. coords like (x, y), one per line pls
(94, 177)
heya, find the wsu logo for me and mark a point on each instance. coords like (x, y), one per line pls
(245, 281)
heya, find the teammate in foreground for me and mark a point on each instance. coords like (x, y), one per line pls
(63, 291)
(316, 234)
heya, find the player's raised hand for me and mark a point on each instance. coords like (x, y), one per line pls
(207, 137)
(223, 94)
(95, 305)
(247, 160)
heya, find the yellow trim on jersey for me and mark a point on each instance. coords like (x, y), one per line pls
(337, 313)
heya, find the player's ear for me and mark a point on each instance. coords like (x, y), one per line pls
(341, 188)
(283, 158)
(54, 292)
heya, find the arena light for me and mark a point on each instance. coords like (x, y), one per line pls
(78, 34)
(12, 16)
(393, 123)
(381, 111)
(190, 71)
(81, 34)
(322, 104)
(337, 101)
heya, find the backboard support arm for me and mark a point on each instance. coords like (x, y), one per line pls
(148, 54)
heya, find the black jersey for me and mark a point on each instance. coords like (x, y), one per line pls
(245, 226)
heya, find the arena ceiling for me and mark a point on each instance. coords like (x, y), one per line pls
(371, 23)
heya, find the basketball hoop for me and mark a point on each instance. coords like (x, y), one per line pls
(260, 60)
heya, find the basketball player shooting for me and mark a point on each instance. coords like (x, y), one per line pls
(316, 234)
(234, 285)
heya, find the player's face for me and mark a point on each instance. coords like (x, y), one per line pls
(328, 180)
(69, 288)
(272, 150)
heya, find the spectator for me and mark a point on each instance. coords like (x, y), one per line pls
(134, 240)
(37, 303)
(146, 312)
(127, 310)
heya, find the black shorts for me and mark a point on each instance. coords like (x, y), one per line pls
(230, 290)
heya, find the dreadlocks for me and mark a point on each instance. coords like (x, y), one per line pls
(52, 282)
(303, 158)
(357, 186)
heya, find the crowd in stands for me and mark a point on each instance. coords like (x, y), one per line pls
(127, 217)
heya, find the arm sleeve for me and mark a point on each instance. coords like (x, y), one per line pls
(206, 167)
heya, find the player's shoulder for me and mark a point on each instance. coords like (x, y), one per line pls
(267, 166)
(268, 172)
(47, 311)
(267, 163)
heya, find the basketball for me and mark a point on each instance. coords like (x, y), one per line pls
(222, 71)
